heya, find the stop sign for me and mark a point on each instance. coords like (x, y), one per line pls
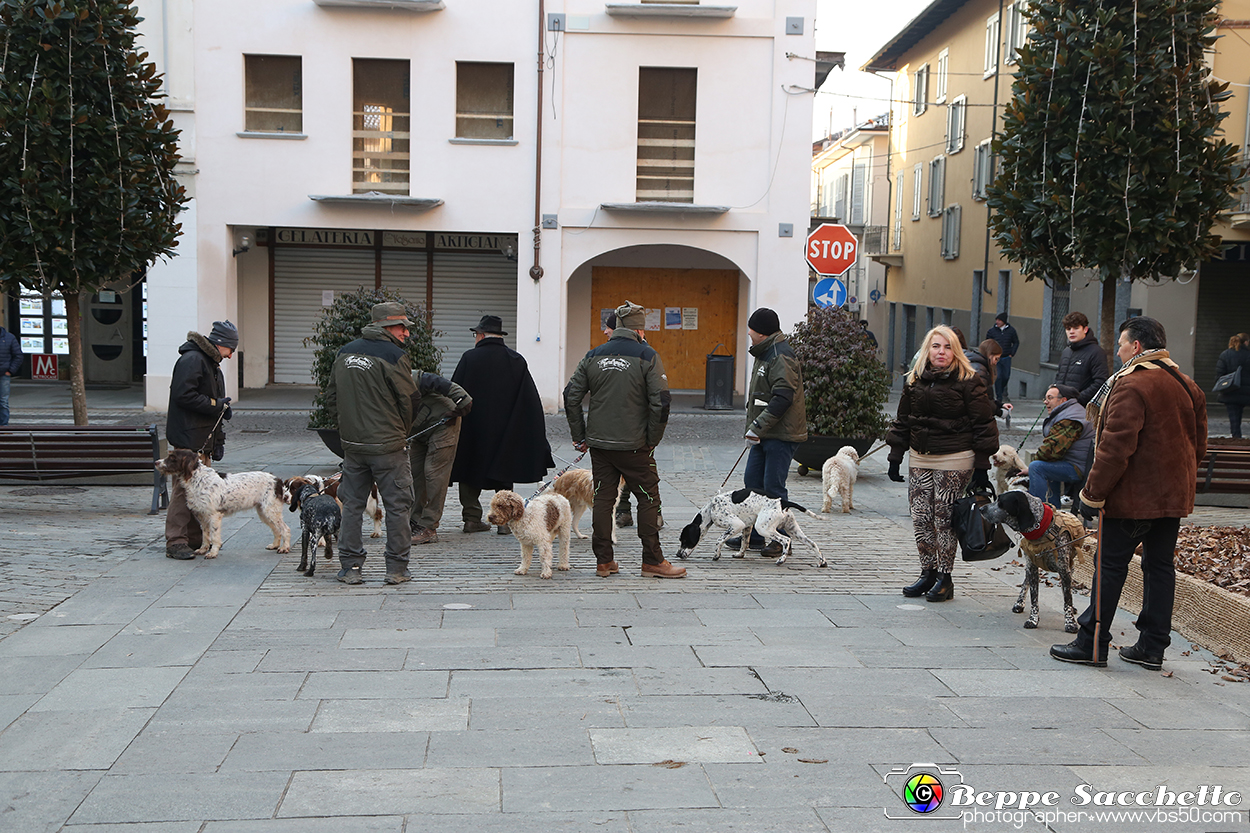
(831, 249)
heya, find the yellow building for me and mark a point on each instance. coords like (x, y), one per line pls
(951, 69)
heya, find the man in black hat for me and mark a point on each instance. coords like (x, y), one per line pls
(1009, 340)
(197, 406)
(503, 440)
(370, 397)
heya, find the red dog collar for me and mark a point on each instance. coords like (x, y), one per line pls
(1038, 531)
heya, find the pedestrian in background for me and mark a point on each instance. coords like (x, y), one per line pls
(1064, 454)
(436, 416)
(370, 397)
(10, 364)
(1150, 436)
(946, 426)
(984, 360)
(863, 322)
(504, 440)
(1235, 399)
(1009, 341)
(197, 407)
(1083, 364)
(629, 404)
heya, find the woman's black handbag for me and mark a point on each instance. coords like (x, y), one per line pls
(979, 540)
(1228, 380)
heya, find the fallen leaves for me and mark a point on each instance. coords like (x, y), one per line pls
(1218, 555)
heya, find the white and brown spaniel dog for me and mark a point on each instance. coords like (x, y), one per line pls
(211, 496)
(535, 525)
(578, 488)
(320, 516)
(373, 504)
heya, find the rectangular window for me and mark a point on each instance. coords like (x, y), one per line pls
(991, 45)
(841, 187)
(1017, 29)
(956, 117)
(982, 170)
(274, 94)
(859, 182)
(917, 190)
(920, 96)
(950, 232)
(666, 121)
(381, 126)
(939, 83)
(937, 186)
(898, 212)
(483, 100)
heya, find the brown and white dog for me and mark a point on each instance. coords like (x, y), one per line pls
(535, 525)
(373, 505)
(211, 496)
(578, 488)
(837, 477)
(1011, 471)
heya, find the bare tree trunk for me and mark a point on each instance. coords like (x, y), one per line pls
(1108, 337)
(77, 384)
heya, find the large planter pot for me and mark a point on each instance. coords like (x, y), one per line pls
(812, 454)
(330, 436)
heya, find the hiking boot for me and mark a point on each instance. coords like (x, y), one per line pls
(181, 552)
(663, 570)
(605, 570)
(624, 519)
(398, 578)
(504, 529)
(476, 526)
(424, 535)
(1138, 656)
(351, 576)
(1074, 652)
(771, 550)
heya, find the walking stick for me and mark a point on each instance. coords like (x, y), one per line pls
(1098, 590)
(736, 462)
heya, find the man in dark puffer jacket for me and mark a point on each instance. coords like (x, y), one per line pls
(1083, 364)
(197, 407)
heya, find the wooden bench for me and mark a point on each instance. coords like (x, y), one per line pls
(1225, 470)
(40, 453)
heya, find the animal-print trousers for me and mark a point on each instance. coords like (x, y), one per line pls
(932, 495)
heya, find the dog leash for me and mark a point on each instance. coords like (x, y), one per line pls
(1030, 433)
(1061, 546)
(555, 476)
(736, 462)
(212, 431)
(424, 431)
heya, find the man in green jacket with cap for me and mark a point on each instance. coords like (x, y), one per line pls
(370, 397)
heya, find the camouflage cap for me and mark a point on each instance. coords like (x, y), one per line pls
(631, 316)
(390, 314)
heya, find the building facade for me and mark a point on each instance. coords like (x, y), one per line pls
(652, 152)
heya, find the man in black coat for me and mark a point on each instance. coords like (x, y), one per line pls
(197, 406)
(1083, 364)
(1009, 340)
(503, 440)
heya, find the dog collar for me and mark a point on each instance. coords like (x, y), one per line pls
(1038, 531)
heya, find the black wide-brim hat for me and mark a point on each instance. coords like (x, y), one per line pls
(490, 325)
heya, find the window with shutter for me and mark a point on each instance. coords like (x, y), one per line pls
(274, 94)
(483, 100)
(666, 127)
(917, 190)
(956, 115)
(937, 186)
(920, 96)
(381, 125)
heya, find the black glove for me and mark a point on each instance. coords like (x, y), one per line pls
(226, 413)
(1087, 511)
(981, 477)
(895, 474)
(219, 449)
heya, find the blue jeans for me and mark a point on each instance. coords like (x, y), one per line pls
(768, 463)
(1002, 374)
(1045, 477)
(4, 399)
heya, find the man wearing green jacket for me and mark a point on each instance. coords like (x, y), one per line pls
(370, 397)
(629, 403)
(776, 412)
(435, 432)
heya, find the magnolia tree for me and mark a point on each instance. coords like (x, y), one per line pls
(87, 192)
(1111, 156)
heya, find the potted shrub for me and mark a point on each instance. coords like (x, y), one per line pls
(844, 384)
(341, 323)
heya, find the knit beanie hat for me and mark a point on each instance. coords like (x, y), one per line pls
(1002, 316)
(631, 316)
(1067, 391)
(764, 321)
(225, 334)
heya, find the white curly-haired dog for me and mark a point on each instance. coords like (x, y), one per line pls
(578, 488)
(212, 495)
(837, 477)
(535, 524)
(1011, 471)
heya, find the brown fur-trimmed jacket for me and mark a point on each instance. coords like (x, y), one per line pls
(940, 413)
(1151, 435)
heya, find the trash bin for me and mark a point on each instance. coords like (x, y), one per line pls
(718, 388)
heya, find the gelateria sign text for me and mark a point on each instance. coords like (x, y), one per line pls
(368, 238)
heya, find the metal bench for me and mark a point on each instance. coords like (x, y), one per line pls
(41, 453)
(1225, 470)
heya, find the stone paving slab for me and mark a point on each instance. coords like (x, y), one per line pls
(697, 744)
(42, 801)
(59, 740)
(182, 797)
(802, 820)
(494, 713)
(367, 685)
(397, 791)
(606, 787)
(112, 688)
(389, 715)
(291, 751)
(553, 744)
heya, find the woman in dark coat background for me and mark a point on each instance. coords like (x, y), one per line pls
(1235, 399)
(946, 425)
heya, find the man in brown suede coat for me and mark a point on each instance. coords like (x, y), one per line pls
(1151, 435)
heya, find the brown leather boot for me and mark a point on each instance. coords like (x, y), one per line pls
(605, 570)
(663, 570)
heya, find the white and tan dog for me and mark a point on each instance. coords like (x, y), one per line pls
(535, 525)
(1011, 472)
(578, 488)
(373, 504)
(837, 477)
(212, 495)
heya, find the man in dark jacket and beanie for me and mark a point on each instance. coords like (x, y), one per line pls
(503, 441)
(370, 397)
(629, 404)
(1009, 340)
(1083, 364)
(10, 364)
(197, 406)
(1150, 435)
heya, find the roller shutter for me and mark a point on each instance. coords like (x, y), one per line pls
(300, 277)
(468, 285)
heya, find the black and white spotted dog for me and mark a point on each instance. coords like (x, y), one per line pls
(1049, 542)
(319, 515)
(736, 512)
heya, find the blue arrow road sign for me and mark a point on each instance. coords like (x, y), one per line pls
(829, 292)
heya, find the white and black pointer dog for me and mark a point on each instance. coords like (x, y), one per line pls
(736, 512)
(212, 495)
(1049, 542)
(319, 515)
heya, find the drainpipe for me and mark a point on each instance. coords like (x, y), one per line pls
(536, 271)
(998, 68)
